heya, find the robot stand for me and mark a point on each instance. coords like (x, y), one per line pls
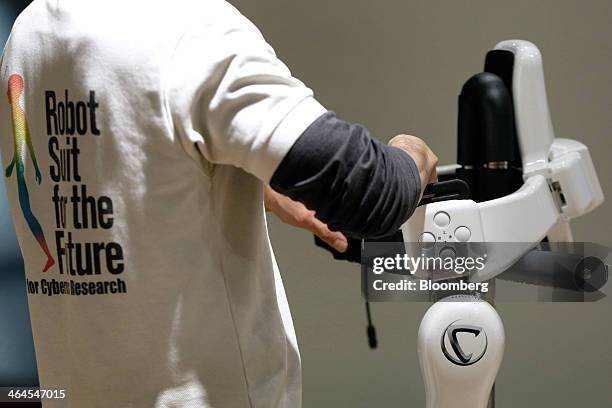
(482, 304)
(460, 347)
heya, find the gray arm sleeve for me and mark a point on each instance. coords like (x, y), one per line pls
(354, 183)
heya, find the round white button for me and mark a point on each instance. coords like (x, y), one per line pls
(441, 219)
(426, 237)
(447, 252)
(463, 234)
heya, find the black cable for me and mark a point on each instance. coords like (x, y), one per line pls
(372, 341)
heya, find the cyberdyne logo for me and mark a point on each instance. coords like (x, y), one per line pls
(464, 344)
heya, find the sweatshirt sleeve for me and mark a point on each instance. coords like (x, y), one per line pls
(232, 101)
(354, 183)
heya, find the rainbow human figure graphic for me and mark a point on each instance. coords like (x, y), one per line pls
(23, 144)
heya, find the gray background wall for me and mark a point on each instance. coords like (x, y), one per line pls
(397, 67)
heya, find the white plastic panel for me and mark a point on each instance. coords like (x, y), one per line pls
(524, 216)
(450, 383)
(534, 127)
(572, 168)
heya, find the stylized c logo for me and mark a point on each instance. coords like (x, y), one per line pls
(456, 354)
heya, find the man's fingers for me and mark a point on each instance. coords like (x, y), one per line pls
(295, 213)
(422, 155)
(433, 177)
(335, 239)
(433, 164)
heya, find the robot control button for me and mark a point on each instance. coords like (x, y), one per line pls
(463, 234)
(427, 237)
(442, 219)
(447, 252)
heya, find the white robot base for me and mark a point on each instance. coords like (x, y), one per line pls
(460, 346)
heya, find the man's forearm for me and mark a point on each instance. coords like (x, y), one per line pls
(354, 183)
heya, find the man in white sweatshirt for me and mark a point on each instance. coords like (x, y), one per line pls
(147, 134)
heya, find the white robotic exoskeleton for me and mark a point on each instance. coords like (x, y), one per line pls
(461, 338)
(560, 183)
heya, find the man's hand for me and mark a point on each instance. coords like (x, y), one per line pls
(422, 155)
(296, 214)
